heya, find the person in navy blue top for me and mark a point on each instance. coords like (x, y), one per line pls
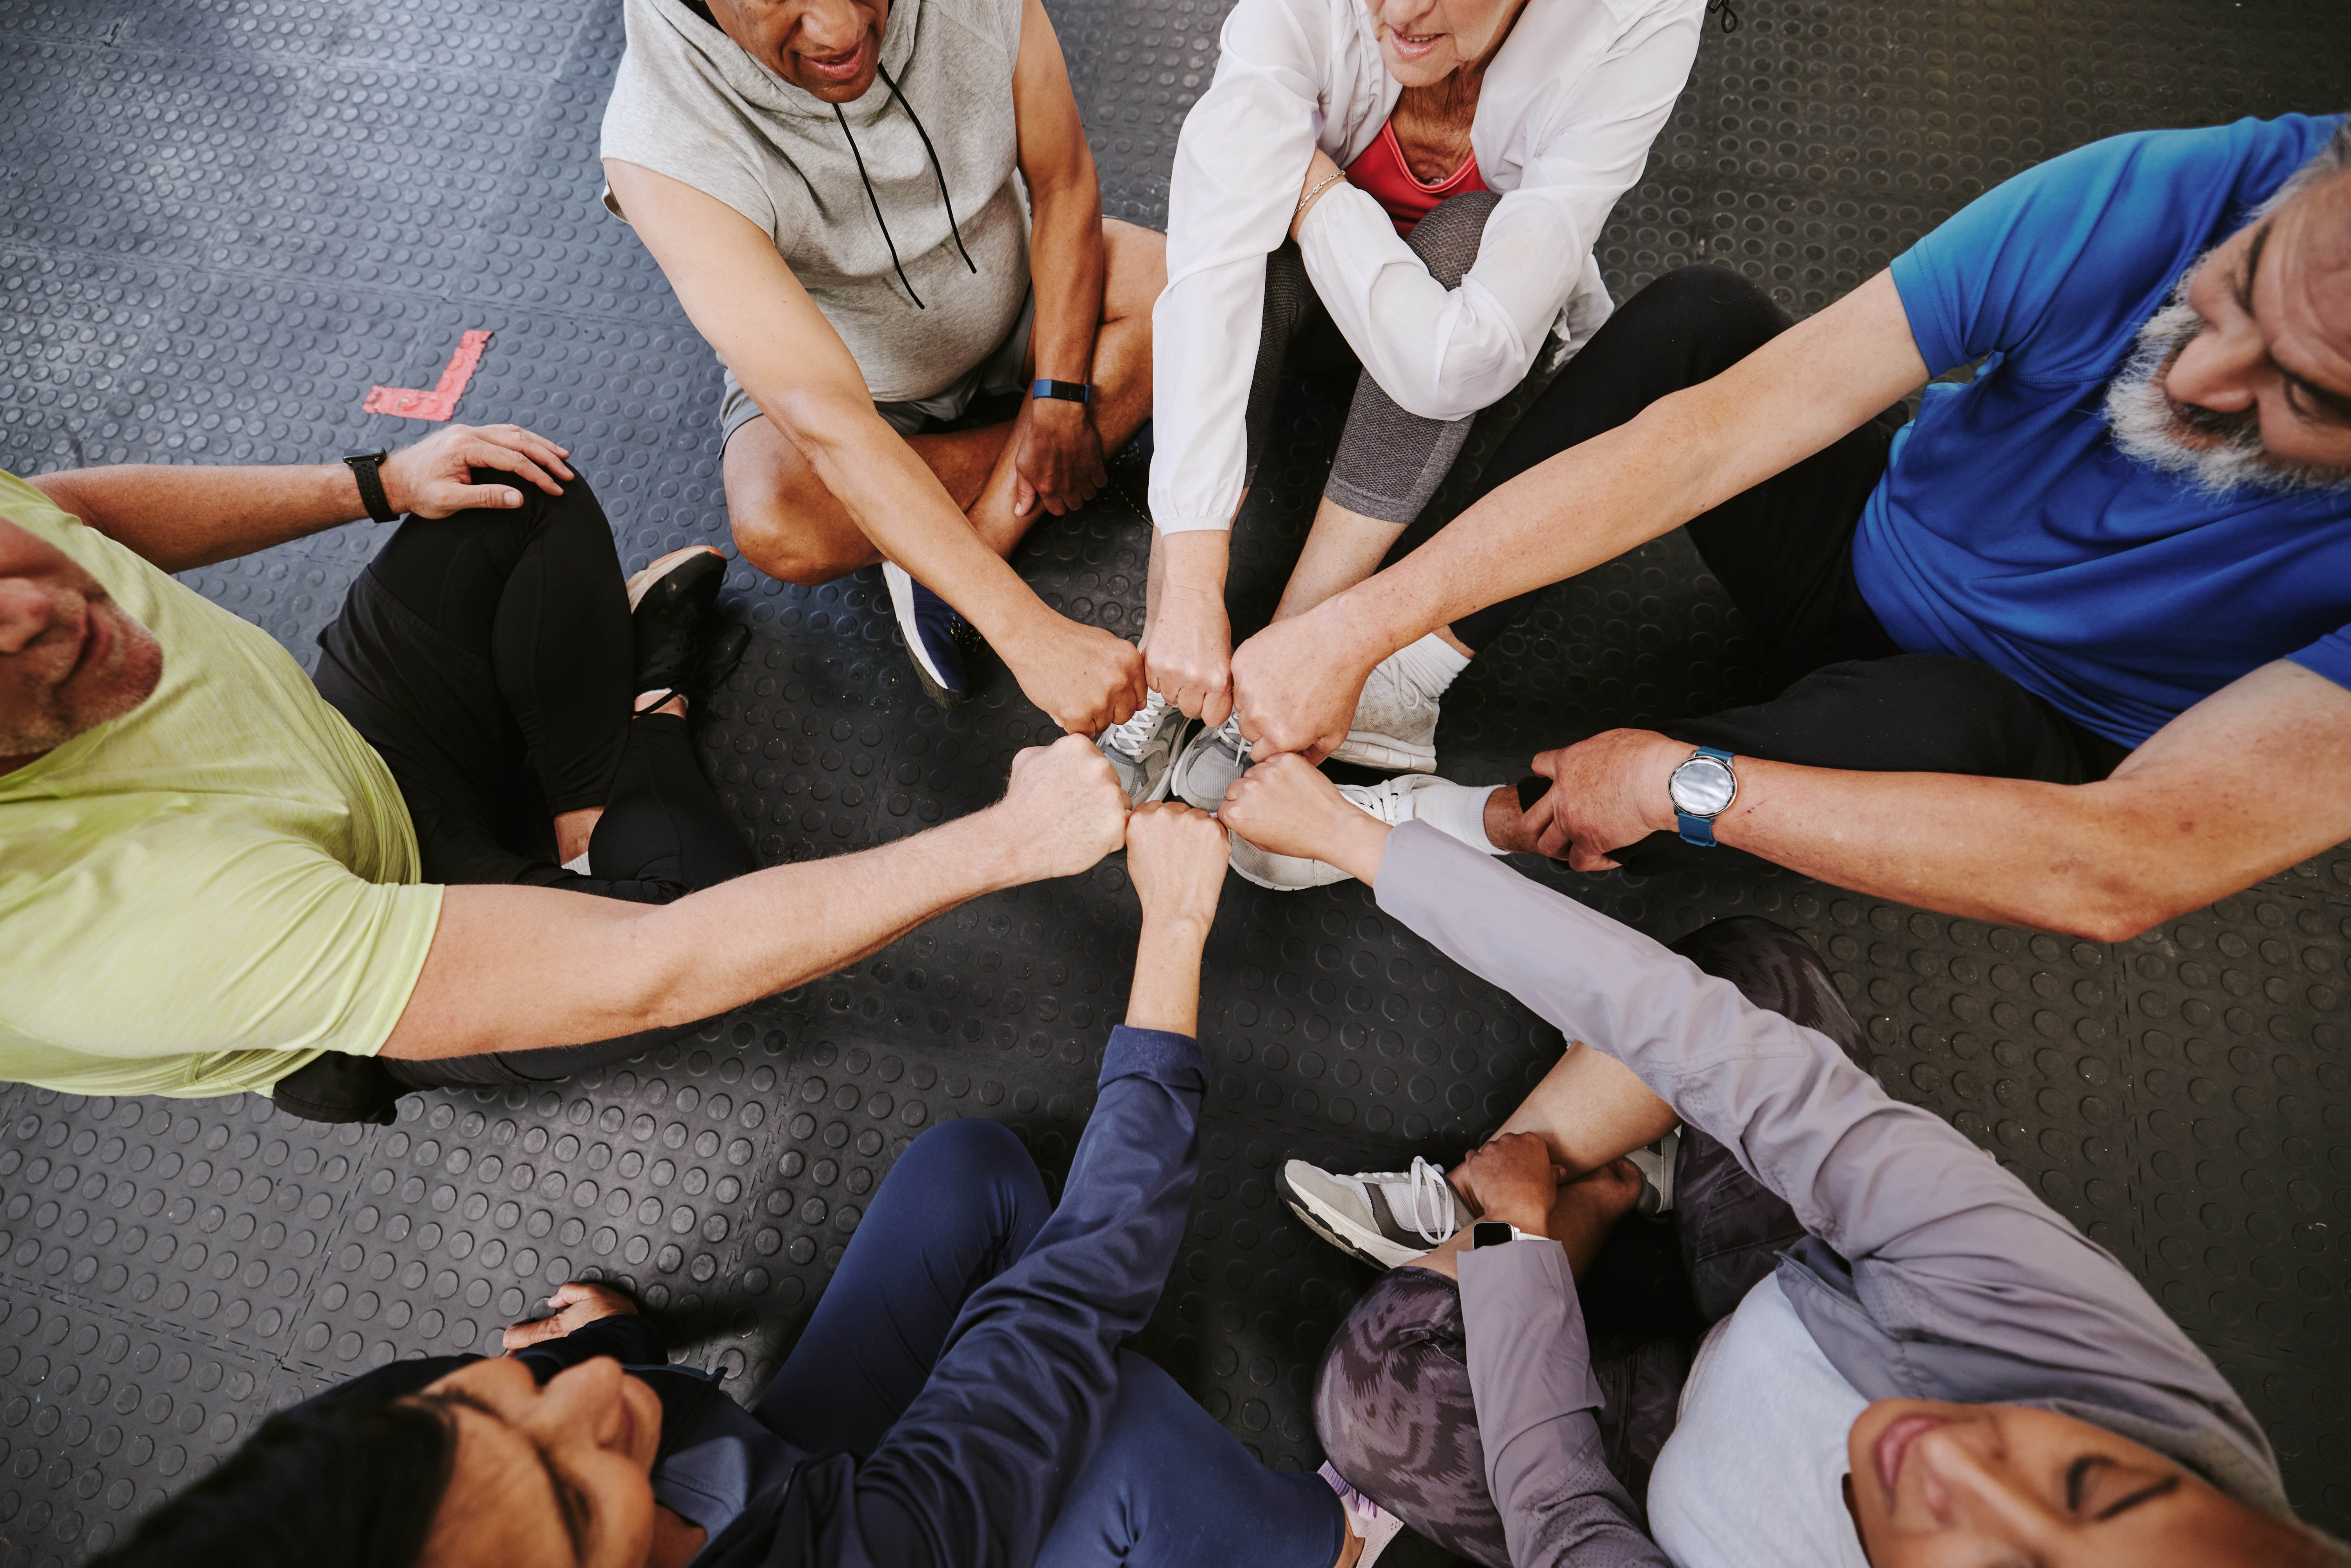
(959, 1396)
(2071, 648)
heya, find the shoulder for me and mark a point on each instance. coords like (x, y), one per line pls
(996, 23)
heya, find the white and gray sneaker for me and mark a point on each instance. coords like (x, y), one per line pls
(1142, 749)
(1655, 1163)
(1394, 726)
(1207, 767)
(1384, 1218)
(1392, 801)
(1366, 1521)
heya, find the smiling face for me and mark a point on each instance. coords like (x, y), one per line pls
(556, 1477)
(829, 49)
(1425, 41)
(70, 657)
(2001, 1486)
(2246, 377)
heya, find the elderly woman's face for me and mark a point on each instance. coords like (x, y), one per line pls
(1425, 41)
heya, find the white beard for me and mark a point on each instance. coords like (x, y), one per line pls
(2215, 453)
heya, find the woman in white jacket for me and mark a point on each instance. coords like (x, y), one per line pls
(1417, 184)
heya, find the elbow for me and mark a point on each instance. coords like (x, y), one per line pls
(2103, 907)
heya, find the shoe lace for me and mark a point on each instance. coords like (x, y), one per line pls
(1127, 739)
(1388, 800)
(1431, 1191)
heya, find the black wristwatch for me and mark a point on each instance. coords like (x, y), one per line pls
(363, 465)
(1063, 392)
(1493, 1233)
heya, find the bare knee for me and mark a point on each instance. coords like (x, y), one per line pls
(773, 516)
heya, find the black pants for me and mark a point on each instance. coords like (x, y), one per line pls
(1843, 693)
(488, 658)
(1392, 1404)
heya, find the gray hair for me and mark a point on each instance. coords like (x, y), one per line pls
(2329, 160)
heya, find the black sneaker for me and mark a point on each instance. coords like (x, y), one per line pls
(669, 603)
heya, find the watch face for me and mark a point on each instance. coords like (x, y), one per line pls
(1702, 787)
(1489, 1233)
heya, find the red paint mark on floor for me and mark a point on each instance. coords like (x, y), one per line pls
(440, 403)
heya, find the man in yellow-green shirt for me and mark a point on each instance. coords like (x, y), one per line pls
(212, 882)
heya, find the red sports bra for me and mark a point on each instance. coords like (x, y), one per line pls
(1382, 171)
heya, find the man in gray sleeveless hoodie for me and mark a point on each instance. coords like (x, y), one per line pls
(829, 186)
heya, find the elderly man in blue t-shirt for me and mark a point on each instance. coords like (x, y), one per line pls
(2069, 649)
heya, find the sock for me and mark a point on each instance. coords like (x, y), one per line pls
(1457, 809)
(1431, 663)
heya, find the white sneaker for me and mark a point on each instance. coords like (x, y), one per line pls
(1142, 749)
(1655, 1163)
(1366, 1520)
(1384, 1218)
(1207, 767)
(1392, 801)
(1394, 726)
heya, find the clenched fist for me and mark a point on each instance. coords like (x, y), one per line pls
(1176, 857)
(1063, 808)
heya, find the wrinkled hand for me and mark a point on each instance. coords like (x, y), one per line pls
(1187, 654)
(1063, 809)
(578, 1304)
(1512, 1179)
(1057, 457)
(1605, 794)
(434, 477)
(1296, 683)
(1176, 857)
(1085, 678)
(1286, 805)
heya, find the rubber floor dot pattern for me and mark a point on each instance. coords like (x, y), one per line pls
(221, 221)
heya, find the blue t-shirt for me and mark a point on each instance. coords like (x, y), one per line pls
(2010, 529)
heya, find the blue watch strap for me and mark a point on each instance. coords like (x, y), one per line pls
(1063, 392)
(1699, 831)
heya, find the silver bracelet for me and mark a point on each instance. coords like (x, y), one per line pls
(1330, 179)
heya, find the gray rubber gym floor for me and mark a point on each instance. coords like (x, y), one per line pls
(222, 223)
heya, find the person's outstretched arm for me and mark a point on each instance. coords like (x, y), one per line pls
(1295, 683)
(518, 968)
(975, 1472)
(179, 516)
(742, 297)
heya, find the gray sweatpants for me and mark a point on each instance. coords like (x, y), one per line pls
(1389, 462)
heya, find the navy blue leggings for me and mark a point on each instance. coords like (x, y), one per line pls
(1168, 1489)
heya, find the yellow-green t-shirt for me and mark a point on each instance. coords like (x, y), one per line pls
(204, 894)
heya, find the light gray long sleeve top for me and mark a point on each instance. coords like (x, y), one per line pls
(1930, 1273)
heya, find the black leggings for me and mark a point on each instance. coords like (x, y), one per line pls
(488, 657)
(1841, 693)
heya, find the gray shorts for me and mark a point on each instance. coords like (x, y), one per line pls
(999, 372)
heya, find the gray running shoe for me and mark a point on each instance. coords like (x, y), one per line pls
(1384, 1218)
(1655, 1163)
(1141, 750)
(1394, 725)
(1392, 801)
(1207, 767)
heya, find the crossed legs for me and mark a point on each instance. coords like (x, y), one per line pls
(790, 527)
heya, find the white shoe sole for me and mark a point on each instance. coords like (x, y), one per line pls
(1242, 872)
(1341, 1231)
(902, 610)
(1367, 748)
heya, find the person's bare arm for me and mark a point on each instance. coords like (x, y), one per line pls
(1295, 683)
(1059, 455)
(744, 300)
(182, 515)
(2252, 780)
(519, 969)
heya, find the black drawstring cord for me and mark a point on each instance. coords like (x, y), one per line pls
(878, 218)
(941, 175)
(1730, 17)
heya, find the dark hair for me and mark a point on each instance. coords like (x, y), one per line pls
(347, 1482)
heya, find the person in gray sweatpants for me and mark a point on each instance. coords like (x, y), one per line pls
(1940, 1368)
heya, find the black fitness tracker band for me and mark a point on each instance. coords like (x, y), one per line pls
(1061, 391)
(1493, 1233)
(363, 469)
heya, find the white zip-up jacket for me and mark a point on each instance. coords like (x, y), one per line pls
(1564, 121)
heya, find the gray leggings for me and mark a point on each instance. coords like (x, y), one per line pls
(1389, 462)
(1393, 1405)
